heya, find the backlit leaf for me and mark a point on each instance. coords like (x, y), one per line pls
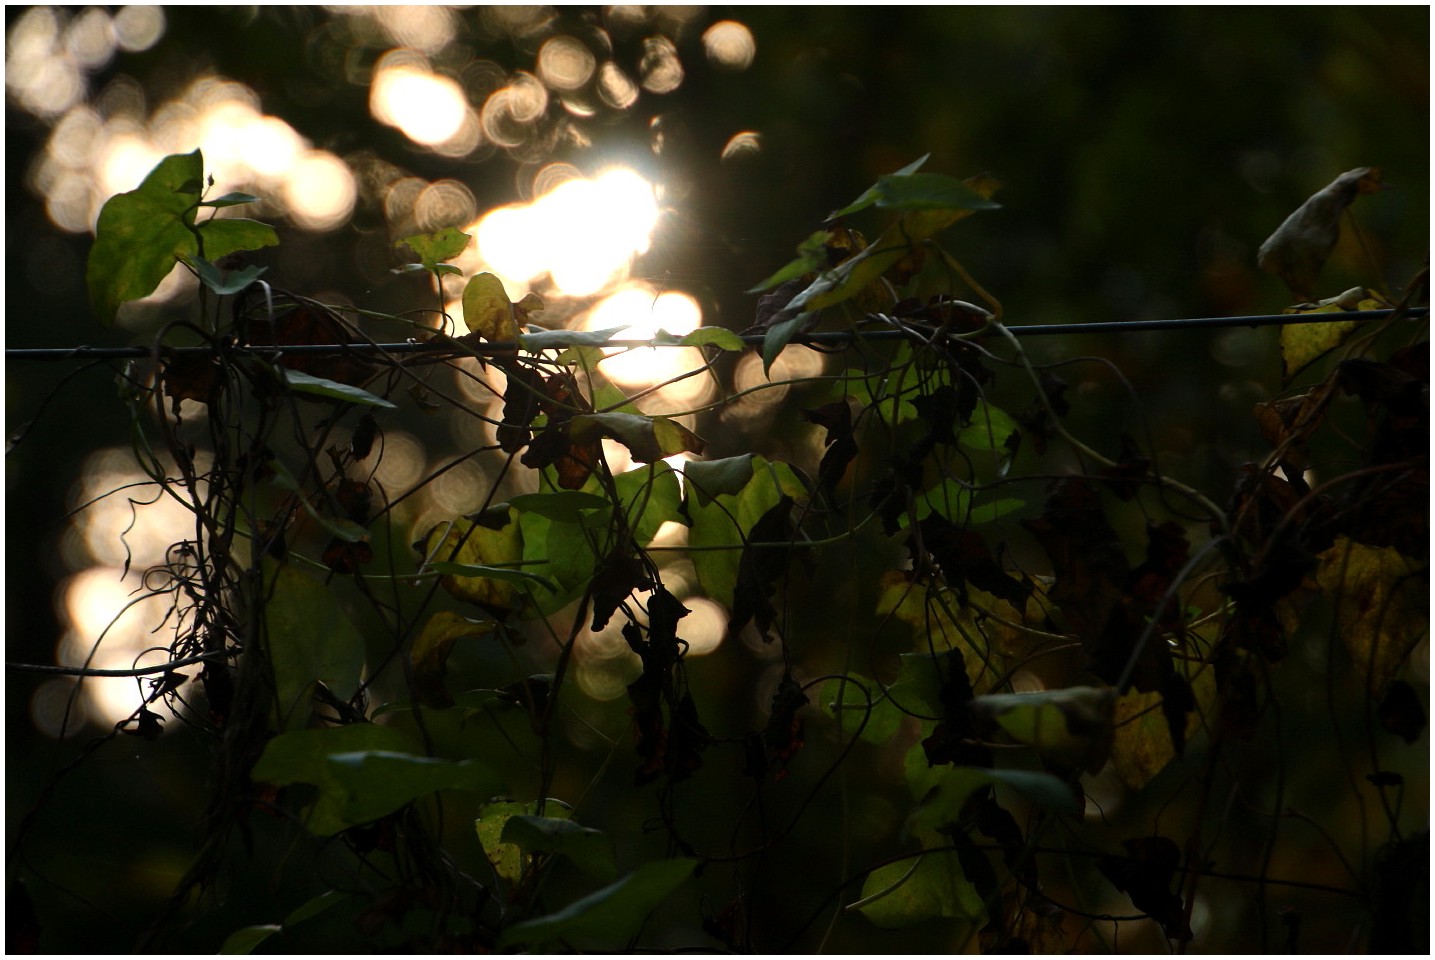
(429, 654)
(301, 757)
(648, 438)
(926, 191)
(811, 255)
(233, 234)
(539, 340)
(926, 887)
(310, 639)
(487, 310)
(590, 850)
(380, 782)
(477, 544)
(873, 194)
(1142, 746)
(330, 389)
(1382, 609)
(1302, 343)
(505, 856)
(609, 917)
(245, 939)
(1070, 727)
(141, 234)
(434, 248)
(725, 519)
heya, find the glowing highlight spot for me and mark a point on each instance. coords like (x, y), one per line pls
(729, 45)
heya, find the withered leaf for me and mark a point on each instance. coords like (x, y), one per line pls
(1298, 249)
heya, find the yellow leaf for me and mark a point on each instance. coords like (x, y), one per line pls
(1382, 609)
(1302, 343)
(1142, 747)
(429, 654)
(467, 542)
(487, 310)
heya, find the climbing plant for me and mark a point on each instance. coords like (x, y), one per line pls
(952, 641)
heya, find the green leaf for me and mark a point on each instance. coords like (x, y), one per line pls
(926, 887)
(720, 337)
(230, 200)
(950, 788)
(994, 510)
(1070, 727)
(231, 235)
(245, 939)
(874, 193)
(929, 191)
(330, 389)
(482, 544)
(487, 310)
(566, 506)
(381, 781)
(301, 756)
(309, 639)
(711, 478)
(316, 906)
(506, 857)
(609, 917)
(557, 339)
(650, 495)
(433, 248)
(224, 284)
(590, 850)
(846, 700)
(428, 656)
(811, 255)
(140, 235)
(648, 439)
(724, 519)
(778, 336)
(989, 429)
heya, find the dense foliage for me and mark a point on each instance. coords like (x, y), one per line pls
(976, 640)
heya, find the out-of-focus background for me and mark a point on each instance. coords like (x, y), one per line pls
(641, 166)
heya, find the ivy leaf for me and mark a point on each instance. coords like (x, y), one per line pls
(506, 857)
(565, 506)
(434, 248)
(609, 917)
(310, 639)
(428, 656)
(907, 892)
(649, 439)
(379, 782)
(929, 191)
(540, 340)
(330, 389)
(224, 284)
(1298, 249)
(1382, 601)
(300, 756)
(720, 337)
(724, 519)
(245, 939)
(1145, 875)
(590, 850)
(778, 336)
(874, 193)
(232, 199)
(233, 234)
(811, 256)
(140, 235)
(489, 542)
(488, 312)
(1303, 343)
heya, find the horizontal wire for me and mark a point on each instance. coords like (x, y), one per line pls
(835, 337)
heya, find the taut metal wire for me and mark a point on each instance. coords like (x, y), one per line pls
(821, 338)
